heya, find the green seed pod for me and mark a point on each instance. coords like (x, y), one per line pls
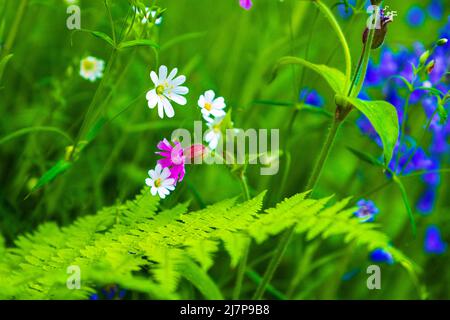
(424, 57)
(430, 66)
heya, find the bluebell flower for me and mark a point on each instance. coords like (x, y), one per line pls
(367, 210)
(311, 97)
(381, 256)
(415, 16)
(436, 9)
(426, 202)
(433, 243)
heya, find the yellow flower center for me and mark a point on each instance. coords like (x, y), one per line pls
(88, 65)
(158, 182)
(160, 89)
(208, 106)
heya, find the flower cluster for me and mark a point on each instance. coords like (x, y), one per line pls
(392, 70)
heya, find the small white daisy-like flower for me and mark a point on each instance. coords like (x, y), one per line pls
(167, 88)
(159, 181)
(91, 68)
(214, 133)
(211, 106)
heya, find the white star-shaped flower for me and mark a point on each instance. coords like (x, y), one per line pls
(159, 181)
(211, 106)
(167, 88)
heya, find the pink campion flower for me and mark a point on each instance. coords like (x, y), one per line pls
(246, 4)
(173, 158)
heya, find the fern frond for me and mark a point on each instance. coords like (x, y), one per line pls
(142, 248)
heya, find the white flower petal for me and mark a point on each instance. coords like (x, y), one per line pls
(152, 98)
(201, 101)
(154, 78)
(158, 170)
(165, 174)
(161, 193)
(168, 109)
(149, 182)
(161, 107)
(219, 103)
(178, 99)
(162, 73)
(153, 190)
(209, 95)
(178, 81)
(180, 90)
(218, 112)
(172, 74)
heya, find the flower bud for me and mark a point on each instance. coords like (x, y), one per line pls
(380, 34)
(442, 41)
(424, 57)
(375, 2)
(195, 151)
(430, 66)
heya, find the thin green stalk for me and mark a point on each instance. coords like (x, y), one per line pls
(335, 25)
(315, 176)
(89, 116)
(421, 139)
(15, 27)
(360, 77)
(403, 126)
(283, 244)
(243, 263)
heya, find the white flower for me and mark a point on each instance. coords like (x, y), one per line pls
(91, 68)
(214, 133)
(167, 87)
(159, 181)
(211, 106)
(151, 13)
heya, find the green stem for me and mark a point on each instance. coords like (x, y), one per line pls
(15, 27)
(285, 238)
(335, 25)
(324, 153)
(365, 62)
(243, 263)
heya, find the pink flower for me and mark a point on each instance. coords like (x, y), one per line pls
(246, 4)
(173, 158)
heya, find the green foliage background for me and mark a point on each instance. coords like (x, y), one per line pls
(218, 46)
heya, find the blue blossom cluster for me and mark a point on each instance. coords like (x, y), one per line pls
(409, 156)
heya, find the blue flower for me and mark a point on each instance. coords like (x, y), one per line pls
(415, 16)
(436, 9)
(366, 210)
(311, 97)
(381, 256)
(426, 202)
(433, 243)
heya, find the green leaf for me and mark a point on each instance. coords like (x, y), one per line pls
(60, 167)
(383, 117)
(100, 35)
(138, 43)
(335, 78)
(365, 157)
(406, 202)
(3, 64)
(200, 279)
